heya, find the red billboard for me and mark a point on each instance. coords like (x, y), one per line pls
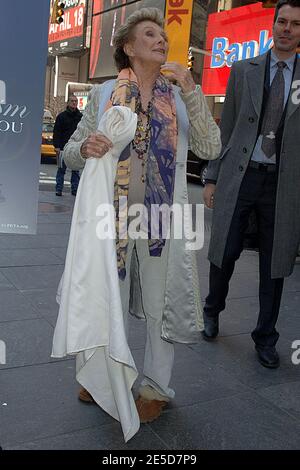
(108, 15)
(236, 34)
(68, 36)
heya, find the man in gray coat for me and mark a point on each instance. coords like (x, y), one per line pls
(258, 170)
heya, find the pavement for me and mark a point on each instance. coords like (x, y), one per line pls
(224, 398)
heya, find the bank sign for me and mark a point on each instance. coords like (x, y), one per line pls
(237, 34)
(178, 20)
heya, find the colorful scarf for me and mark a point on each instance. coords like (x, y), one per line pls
(160, 173)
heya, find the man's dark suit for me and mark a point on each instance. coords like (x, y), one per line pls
(273, 195)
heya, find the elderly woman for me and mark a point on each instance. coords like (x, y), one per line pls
(157, 274)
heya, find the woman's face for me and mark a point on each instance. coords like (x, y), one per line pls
(149, 44)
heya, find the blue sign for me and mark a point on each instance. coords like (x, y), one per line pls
(23, 52)
(224, 53)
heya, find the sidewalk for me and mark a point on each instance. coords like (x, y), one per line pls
(224, 398)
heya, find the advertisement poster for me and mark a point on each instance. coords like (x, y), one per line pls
(69, 35)
(178, 26)
(22, 86)
(108, 15)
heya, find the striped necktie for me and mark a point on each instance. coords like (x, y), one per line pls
(273, 113)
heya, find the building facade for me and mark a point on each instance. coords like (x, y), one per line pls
(80, 50)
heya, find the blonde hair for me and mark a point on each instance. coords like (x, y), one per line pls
(124, 33)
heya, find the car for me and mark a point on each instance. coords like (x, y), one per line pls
(196, 168)
(47, 148)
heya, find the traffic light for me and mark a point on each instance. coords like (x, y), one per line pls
(269, 3)
(57, 12)
(190, 61)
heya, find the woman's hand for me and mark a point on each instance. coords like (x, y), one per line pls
(208, 195)
(96, 145)
(174, 71)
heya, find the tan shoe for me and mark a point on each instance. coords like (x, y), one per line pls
(149, 410)
(85, 396)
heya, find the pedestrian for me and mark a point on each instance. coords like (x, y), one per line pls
(156, 277)
(258, 170)
(65, 125)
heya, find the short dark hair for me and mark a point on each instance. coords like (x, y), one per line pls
(72, 96)
(282, 3)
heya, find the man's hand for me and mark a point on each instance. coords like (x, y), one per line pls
(96, 145)
(208, 195)
(177, 72)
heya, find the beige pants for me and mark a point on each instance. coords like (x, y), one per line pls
(159, 354)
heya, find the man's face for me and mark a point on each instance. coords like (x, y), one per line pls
(286, 29)
(73, 103)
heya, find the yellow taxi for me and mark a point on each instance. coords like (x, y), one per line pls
(47, 148)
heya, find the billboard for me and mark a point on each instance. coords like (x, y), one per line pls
(236, 34)
(22, 85)
(105, 5)
(108, 15)
(178, 21)
(69, 35)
